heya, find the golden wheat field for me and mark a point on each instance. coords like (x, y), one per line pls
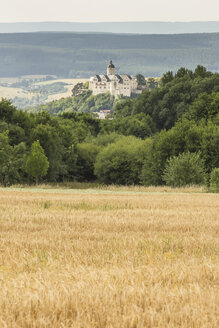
(120, 259)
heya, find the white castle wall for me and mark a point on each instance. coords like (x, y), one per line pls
(115, 84)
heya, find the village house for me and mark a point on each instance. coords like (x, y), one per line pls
(102, 114)
(116, 84)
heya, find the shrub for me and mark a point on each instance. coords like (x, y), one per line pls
(185, 169)
(120, 162)
(214, 180)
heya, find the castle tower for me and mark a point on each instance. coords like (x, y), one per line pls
(111, 69)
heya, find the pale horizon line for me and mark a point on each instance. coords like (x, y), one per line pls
(105, 22)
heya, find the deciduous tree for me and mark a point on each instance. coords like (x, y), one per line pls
(185, 169)
(37, 163)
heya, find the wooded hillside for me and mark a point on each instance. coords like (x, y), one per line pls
(84, 54)
(169, 135)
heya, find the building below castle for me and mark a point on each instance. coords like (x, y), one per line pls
(116, 84)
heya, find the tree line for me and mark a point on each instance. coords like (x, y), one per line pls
(169, 135)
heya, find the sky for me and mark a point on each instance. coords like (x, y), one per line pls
(108, 10)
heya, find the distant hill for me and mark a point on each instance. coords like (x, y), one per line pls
(113, 27)
(84, 54)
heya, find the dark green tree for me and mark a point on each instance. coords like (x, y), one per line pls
(214, 180)
(6, 110)
(204, 107)
(78, 89)
(120, 162)
(139, 125)
(52, 144)
(70, 160)
(12, 161)
(182, 72)
(167, 77)
(185, 169)
(140, 79)
(123, 108)
(37, 163)
(5, 158)
(87, 153)
(185, 136)
(201, 71)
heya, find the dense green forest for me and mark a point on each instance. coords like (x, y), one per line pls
(167, 135)
(83, 103)
(85, 54)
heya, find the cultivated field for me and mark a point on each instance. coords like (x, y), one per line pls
(69, 81)
(10, 93)
(69, 87)
(108, 259)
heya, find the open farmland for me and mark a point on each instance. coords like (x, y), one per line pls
(36, 89)
(71, 82)
(70, 85)
(10, 93)
(108, 259)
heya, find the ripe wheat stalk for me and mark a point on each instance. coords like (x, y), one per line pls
(108, 260)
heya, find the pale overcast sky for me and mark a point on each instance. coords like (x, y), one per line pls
(111, 10)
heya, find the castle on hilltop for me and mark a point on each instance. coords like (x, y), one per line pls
(116, 84)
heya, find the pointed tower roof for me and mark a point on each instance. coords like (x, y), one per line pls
(111, 64)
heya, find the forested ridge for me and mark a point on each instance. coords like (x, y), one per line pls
(85, 54)
(168, 131)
